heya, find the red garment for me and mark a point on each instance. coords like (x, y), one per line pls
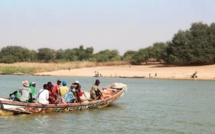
(52, 98)
(55, 89)
(80, 93)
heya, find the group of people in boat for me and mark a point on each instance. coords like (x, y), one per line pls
(55, 94)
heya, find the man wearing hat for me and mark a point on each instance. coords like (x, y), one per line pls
(25, 92)
(63, 89)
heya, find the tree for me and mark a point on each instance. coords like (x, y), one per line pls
(107, 55)
(46, 54)
(85, 54)
(59, 54)
(192, 47)
(159, 51)
(33, 55)
(127, 56)
(70, 54)
(138, 57)
(89, 53)
(212, 38)
(11, 54)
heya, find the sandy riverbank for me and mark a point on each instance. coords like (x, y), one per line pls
(147, 71)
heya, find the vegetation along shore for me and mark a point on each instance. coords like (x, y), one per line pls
(190, 54)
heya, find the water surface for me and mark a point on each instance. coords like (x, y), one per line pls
(151, 106)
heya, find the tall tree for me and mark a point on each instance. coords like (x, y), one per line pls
(159, 51)
(70, 54)
(59, 54)
(191, 47)
(89, 53)
(46, 54)
(127, 56)
(140, 56)
(11, 54)
(212, 38)
(107, 55)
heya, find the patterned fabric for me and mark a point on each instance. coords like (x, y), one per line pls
(68, 97)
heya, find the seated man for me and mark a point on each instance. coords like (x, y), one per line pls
(24, 91)
(43, 96)
(95, 93)
(56, 88)
(63, 89)
(33, 91)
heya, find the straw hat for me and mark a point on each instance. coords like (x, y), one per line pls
(25, 83)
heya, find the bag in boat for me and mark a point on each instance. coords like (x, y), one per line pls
(117, 86)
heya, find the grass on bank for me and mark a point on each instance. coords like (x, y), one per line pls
(31, 68)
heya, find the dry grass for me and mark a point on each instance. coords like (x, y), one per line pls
(31, 68)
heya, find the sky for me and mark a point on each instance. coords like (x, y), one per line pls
(102, 24)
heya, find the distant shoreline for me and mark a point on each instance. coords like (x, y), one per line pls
(206, 72)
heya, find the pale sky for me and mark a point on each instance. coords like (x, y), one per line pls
(102, 24)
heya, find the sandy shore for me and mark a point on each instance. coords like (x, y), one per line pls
(144, 71)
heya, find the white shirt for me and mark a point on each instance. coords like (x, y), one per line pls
(43, 96)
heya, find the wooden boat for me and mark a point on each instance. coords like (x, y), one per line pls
(110, 94)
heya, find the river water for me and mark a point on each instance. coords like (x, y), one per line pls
(152, 106)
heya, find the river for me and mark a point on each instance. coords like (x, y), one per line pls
(151, 106)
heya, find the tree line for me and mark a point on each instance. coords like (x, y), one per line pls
(195, 46)
(12, 54)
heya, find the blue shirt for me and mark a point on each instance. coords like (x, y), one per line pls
(68, 97)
